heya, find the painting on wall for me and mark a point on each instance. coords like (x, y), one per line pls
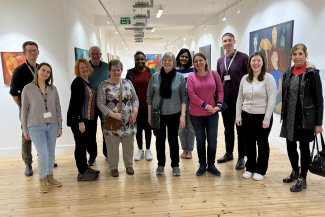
(81, 53)
(153, 61)
(275, 43)
(206, 50)
(10, 60)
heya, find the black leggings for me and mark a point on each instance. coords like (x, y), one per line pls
(294, 156)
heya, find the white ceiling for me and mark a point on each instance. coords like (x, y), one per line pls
(178, 19)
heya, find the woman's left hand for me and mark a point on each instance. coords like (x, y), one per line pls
(59, 132)
(318, 129)
(133, 118)
(182, 121)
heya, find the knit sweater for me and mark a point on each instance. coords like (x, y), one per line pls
(202, 89)
(34, 107)
(257, 97)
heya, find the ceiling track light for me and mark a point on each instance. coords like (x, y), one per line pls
(224, 18)
(117, 32)
(160, 11)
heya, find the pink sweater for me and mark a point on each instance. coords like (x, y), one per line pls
(201, 89)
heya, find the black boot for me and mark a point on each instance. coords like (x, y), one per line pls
(299, 186)
(293, 176)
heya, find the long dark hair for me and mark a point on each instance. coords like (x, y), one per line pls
(250, 76)
(189, 62)
(49, 81)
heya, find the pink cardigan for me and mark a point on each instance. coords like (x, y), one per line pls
(201, 89)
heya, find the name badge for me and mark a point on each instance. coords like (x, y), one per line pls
(227, 77)
(47, 115)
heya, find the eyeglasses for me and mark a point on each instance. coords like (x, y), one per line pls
(32, 51)
(95, 54)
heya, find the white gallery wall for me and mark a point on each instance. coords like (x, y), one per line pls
(59, 26)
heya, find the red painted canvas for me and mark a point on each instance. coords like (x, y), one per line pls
(10, 60)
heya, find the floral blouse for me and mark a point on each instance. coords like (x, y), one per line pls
(108, 100)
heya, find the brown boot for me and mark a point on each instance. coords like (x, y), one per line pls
(53, 181)
(43, 185)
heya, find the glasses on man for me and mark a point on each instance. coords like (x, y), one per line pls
(95, 54)
(32, 51)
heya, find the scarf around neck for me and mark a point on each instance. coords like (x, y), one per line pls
(165, 90)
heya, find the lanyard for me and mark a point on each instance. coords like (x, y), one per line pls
(232, 59)
(44, 96)
(30, 69)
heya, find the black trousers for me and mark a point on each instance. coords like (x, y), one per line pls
(85, 142)
(229, 116)
(256, 134)
(172, 124)
(294, 156)
(142, 124)
(99, 113)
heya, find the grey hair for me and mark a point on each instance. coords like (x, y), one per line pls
(171, 55)
(117, 63)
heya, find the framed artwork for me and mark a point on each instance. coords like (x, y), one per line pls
(81, 53)
(10, 60)
(206, 50)
(275, 43)
(153, 61)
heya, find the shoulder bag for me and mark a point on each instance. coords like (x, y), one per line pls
(155, 115)
(110, 123)
(317, 162)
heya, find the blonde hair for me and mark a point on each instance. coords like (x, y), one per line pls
(170, 55)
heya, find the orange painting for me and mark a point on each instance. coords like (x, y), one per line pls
(10, 60)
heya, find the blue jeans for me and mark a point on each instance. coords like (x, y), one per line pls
(205, 127)
(186, 135)
(44, 139)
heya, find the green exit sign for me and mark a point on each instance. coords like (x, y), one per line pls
(125, 20)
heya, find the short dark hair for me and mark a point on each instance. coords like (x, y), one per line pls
(228, 34)
(189, 63)
(28, 43)
(139, 53)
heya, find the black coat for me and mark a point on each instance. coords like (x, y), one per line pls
(310, 98)
(77, 100)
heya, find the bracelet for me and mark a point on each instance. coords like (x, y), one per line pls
(184, 114)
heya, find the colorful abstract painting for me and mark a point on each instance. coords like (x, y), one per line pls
(153, 61)
(10, 60)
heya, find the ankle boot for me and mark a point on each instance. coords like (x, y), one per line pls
(293, 176)
(299, 186)
(53, 181)
(43, 185)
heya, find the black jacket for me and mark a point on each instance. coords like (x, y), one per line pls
(310, 98)
(130, 73)
(77, 100)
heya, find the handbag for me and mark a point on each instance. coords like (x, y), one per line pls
(155, 115)
(113, 124)
(317, 162)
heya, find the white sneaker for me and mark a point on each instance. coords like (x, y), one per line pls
(247, 175)
(257, 177)
(139, 155)
(148, 155)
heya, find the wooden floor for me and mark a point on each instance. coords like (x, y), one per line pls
(145, 194)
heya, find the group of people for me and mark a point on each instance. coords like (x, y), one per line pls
(188, 96)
